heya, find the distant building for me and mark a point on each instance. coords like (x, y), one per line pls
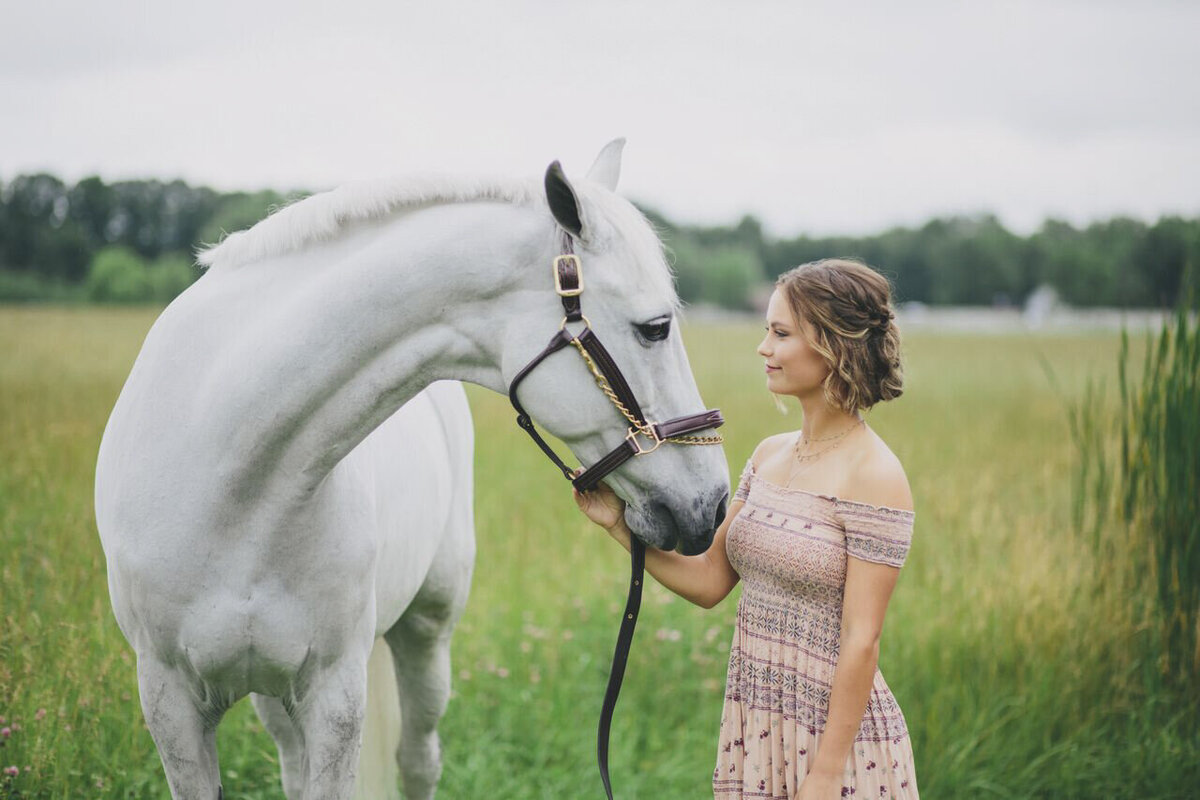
(1042, 302)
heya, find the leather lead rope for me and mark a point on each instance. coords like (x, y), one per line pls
(637, 557)
(568, 284)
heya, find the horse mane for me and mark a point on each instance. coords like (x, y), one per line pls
(322, 217)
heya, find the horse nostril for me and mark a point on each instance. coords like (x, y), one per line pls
(720, 516)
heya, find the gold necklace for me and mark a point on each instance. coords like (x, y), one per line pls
(799, 457)
(835, 436)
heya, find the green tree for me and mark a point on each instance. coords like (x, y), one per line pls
(731, 273)
(119, 275)
(686, 258)
(236, 212)
(722, 275)
(170, 275)
(91, 207)
(34, 205)
(1162, 256)
(1070, 261)
(972, 260)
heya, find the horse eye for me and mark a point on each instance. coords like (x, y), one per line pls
(655, 331)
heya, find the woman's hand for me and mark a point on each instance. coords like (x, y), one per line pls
(820, 786)
(601, 505)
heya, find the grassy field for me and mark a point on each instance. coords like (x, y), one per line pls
(1020, 666)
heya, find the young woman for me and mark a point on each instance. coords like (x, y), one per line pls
(819, 527)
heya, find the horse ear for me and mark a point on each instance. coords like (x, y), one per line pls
(564, 205)
(606, 170)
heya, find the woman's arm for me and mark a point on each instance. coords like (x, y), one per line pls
(706, 579)
(703, 579)
(868, 589)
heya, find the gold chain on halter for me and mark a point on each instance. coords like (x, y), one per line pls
(643, 428)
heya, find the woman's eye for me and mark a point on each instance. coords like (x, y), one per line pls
(656, 330)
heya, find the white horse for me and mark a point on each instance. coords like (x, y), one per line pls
(270, 507)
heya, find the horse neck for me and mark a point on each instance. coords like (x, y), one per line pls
(388, 312)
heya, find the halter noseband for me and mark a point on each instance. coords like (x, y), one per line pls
(568, 283)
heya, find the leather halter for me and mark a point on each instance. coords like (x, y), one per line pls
(568, 283)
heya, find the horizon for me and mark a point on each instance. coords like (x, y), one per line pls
(731, 222)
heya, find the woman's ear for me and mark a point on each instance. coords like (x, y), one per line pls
(564, 204)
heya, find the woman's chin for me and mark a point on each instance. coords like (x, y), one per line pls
(782, 390)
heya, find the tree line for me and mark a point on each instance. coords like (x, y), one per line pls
(127, 241)
(132, 241)
(960, 260)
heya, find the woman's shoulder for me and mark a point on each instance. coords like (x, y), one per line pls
(878, 477)
(772, 445)
(871, 474)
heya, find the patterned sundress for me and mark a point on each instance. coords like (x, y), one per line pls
(790, 548)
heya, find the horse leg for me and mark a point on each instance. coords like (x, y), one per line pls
(420, 645)
(278, 723)
(184, 730)
(421, 652)
(329, 717)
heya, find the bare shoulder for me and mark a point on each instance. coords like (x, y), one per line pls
(771, 446)
(879, 479)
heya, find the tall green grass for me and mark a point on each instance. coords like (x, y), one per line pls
(1022, 669)
(1160, 462)
(1138, 493)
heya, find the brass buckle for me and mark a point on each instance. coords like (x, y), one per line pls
(558, 280)
(633, 434)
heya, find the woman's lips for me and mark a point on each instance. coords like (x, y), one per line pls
(772, 369)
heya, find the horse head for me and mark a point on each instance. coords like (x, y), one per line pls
(676, 495)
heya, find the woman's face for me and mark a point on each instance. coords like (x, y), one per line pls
(793, 366)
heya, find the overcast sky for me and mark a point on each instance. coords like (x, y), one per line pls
(817, 118)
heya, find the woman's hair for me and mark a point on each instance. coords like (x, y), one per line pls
(849, 306)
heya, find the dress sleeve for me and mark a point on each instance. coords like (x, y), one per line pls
(876, 533)
(743, 489)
